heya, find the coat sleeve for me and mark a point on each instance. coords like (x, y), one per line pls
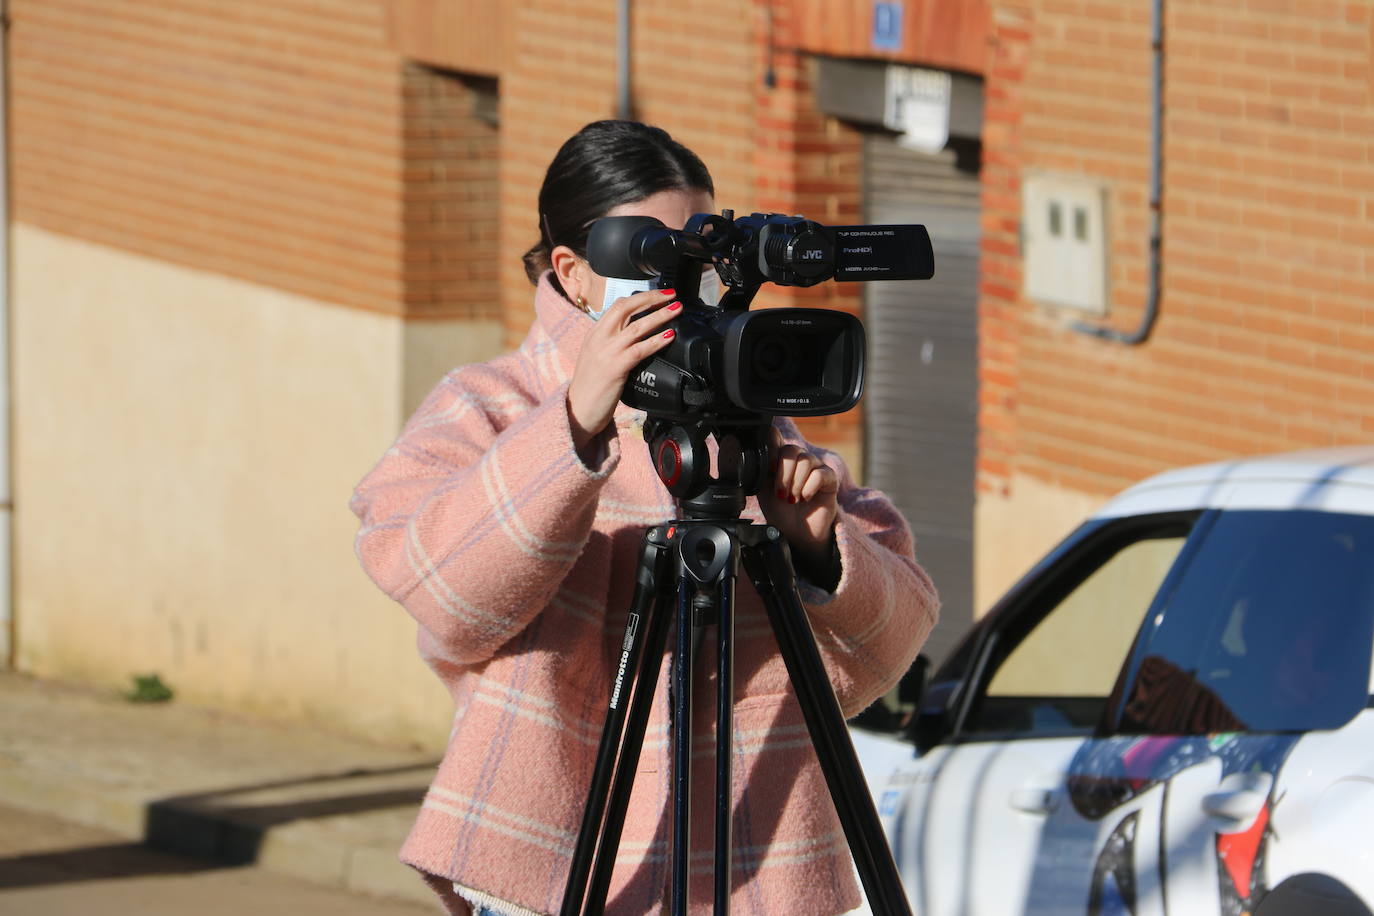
(471, 520)
(872, 626)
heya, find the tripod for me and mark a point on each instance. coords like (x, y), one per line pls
(685, 581)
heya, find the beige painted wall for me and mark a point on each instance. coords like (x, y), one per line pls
(184, 448)
(1012, 531)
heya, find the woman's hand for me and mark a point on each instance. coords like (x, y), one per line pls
(803, 501)
(613, 347)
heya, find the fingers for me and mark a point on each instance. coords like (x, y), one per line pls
(649, 322)
(612, 348)
(801, 475)
(645, 336)
(822, 479)
(637, 318)
(623, 311)
(630, 331)
(649, 346)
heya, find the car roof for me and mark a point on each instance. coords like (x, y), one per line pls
(1329, 480)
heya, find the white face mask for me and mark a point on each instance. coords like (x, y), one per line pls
(616, 288)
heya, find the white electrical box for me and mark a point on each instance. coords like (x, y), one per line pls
(1064, 242)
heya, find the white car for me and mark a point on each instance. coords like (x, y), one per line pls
(1170, 714)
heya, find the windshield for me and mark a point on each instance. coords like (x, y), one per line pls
(1269, 629)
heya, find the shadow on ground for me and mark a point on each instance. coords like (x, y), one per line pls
(219, 829)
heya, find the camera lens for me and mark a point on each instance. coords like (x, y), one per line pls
(775, 359)
(793, 362)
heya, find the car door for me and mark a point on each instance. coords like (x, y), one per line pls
(999, 816)
(1263, 640)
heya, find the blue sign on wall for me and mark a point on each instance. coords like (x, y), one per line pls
(887, 27)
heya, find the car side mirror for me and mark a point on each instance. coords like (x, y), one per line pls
(912, 686)
(934, 716)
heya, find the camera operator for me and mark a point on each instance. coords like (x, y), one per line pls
(507, 520)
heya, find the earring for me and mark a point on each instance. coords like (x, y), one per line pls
(582, 303)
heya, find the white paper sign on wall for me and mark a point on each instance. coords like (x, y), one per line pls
(917, 107)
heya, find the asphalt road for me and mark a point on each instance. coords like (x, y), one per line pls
(51, 867)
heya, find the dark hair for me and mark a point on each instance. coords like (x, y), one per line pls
(604, 165)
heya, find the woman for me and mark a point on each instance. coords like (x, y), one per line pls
(507, 520)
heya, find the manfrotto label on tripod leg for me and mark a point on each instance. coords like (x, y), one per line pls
(630, 628)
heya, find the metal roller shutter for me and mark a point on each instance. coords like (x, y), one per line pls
(921, 397)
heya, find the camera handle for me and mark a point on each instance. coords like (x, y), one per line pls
(686, 578)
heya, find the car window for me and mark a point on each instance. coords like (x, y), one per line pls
(1056, 677)
(1268, 629)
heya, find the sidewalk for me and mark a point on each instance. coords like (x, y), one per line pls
(196, 782)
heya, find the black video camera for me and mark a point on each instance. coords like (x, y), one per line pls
(732, 364)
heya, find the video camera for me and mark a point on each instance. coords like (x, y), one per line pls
(732, 364)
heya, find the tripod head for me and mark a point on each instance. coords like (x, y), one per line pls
(681, 456)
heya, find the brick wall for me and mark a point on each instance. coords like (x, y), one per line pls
(450, 195)
(1265, 339)
(948, 34)
(279, 142)
(289, 143)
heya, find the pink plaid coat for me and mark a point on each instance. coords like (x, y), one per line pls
(518, 563)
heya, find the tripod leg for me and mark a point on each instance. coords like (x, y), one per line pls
(725, 727)
(652, 572)
(682, 751)
(770, 569)
(640, 706)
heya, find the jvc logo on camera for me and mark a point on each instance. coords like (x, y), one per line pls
(648, 378)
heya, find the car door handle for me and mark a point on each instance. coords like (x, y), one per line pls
(1239, 806)
(1035, 801)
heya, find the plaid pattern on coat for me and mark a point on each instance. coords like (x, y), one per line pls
(517, 561)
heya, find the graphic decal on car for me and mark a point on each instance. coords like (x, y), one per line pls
(1107, 773)
(1240, 865)
(1113, 887)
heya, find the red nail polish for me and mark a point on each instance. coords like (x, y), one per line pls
(792, 500)
(675, 306)
(669, 334)
(782, 494)
(668, 292)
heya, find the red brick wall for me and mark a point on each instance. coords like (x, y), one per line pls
(279, 141)
(450, 196)
(467, 35)
(289, 143)
(1265, 339)
(561, 75)
(949, 34)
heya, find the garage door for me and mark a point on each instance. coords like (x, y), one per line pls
(922, 387)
